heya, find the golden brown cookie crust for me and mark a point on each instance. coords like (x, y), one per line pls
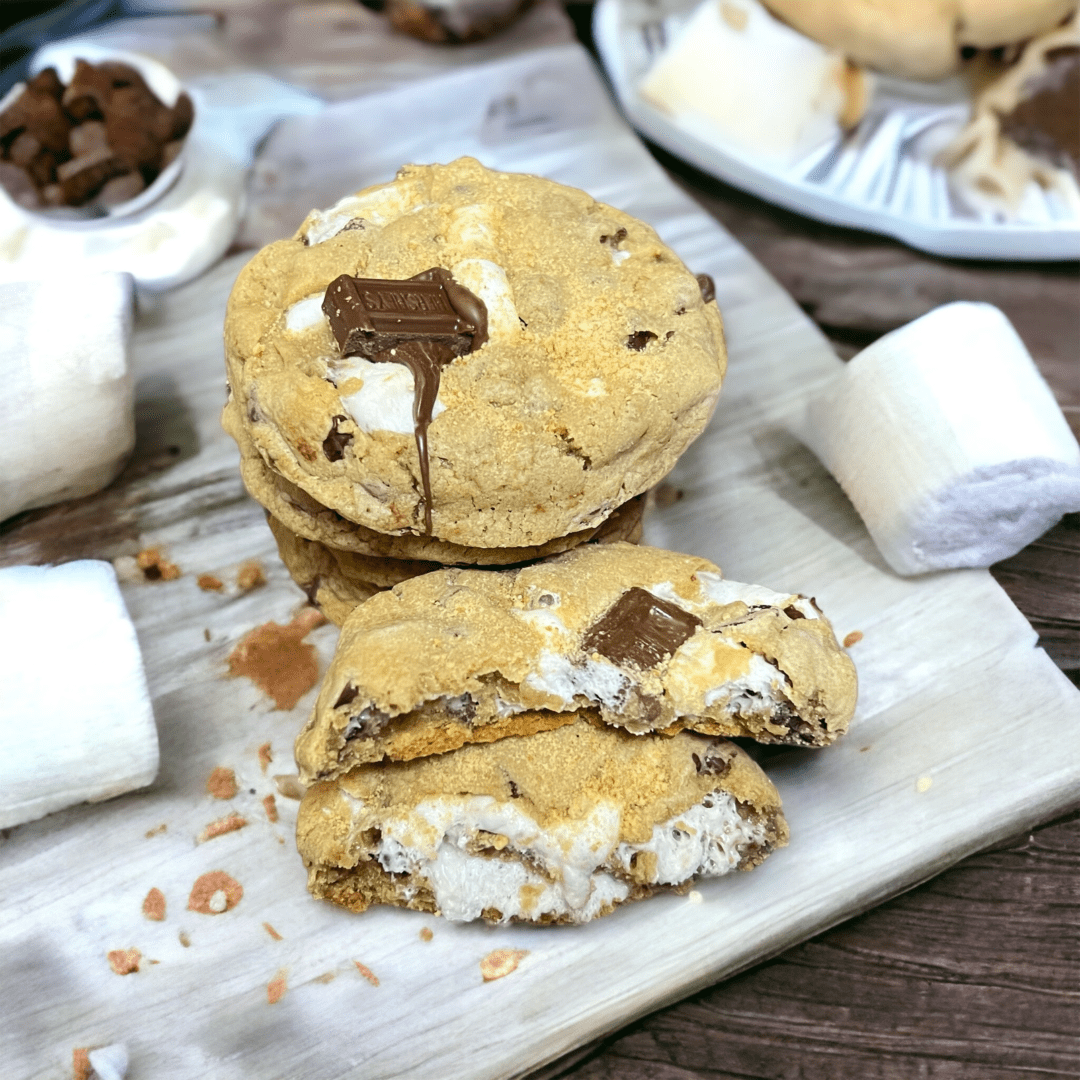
(603, 361)
(919, 39)
(452, 652)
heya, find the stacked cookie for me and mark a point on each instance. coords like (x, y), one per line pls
(443, 389)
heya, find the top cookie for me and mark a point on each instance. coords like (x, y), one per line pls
(602, 361)
(919, 39)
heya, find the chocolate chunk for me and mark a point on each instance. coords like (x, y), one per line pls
(707, 287)
(347, 696)
(639, 339)
(334, 444)
(712, 765)
(639, 629)
(1047, 121)
(40, 114)
(793, 612)
(424, 323)
(47, 82)
(183, 116)
(81, 178)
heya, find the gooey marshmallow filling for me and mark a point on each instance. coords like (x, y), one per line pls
(572, 870)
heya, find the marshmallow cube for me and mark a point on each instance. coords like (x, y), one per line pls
(67, 419)
(948, 441)
(76, 723)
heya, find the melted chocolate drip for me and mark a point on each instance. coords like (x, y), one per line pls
(425, 323)
(639, 629)
(1047, 121)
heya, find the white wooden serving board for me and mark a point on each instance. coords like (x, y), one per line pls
(965, 733)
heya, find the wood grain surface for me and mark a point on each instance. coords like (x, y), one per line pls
(976, 974)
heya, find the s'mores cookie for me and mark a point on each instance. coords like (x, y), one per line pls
(485, 359)
(557, 827)
(652, 640)
(335, 581)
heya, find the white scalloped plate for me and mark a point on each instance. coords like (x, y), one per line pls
(872, 180)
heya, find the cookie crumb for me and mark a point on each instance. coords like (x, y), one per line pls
(210, 583)
(153, 907)
(694, 897)
(214, 893)
(206, 635)
(250, 576)
(276, 659)
(853, 638)
(289, 786)
(185, 939)
(222, 783)
(272, 932)
(156, 830)
(863, 749)
(275, 989)
(224, 825)
(80, 1063)
(367, 973)
(426, 934)
(923, 784)
(498, 964)
(325, 977)
(154, 567)
(270, 806)
(124, 961)
(265, 757)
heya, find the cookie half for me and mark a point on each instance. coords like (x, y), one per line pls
(653, 640)
(336, 581)
(598, 363)
(557, 827)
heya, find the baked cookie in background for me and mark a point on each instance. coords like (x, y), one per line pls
(336, 581)
(648, 640)
(602, 361)
(557, 827)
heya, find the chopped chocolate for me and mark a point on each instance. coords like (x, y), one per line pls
(792, 612)
(47, 82)
(707, 287)
(424, 322)
(1047, 121)
(334, 444)
(39, 113)
(183, 116)
(639, 339)
(639, 629)
(82, 177)
(712, 764)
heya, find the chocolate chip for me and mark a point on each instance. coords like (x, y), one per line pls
(334, 444)
(793, 612)
(639, 339)
(615, 239)
(347, 696)
(639, 629)
(707, 287)
(515, 793)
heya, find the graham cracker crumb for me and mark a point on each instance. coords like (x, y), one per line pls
(250, 576)
(222, 783)
(272, 932)
(124, 961)
(156, 830)
(214, 893)
(276, 659)
(80, 1063)
(154, 567)
(210, 583)
(206, 635)
(853, 638)
(224, 825)
(325, 977)
(153, 907)
(367, 973)
(426, 934)
(275, 989)
(265, 757)
(270, 805)
(185, 939)
(498, 964)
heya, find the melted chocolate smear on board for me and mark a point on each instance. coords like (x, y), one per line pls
(639, 629)
(424, 322)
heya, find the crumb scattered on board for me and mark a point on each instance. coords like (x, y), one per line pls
(156, 830)
(289, 786)
(250, 576)
(221, 783)
(185, 940)
(124, 961)
(271, 931)
(853, 638)
(229, 823)
(367, 973)
(214, 893)
(155, 567)
(325, 977)
(276, 659)
(275, 989)
(270, 806)
(426, 934)
(265, 756)
(153, 907)
(924, 783)
(210, 583)
(80, 1063)
(501, 962)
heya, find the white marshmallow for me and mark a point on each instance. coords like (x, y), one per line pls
(947, 440)
(737, 73)
(109, 1062)
(67, 421)
(385, 401)
(76, 723)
